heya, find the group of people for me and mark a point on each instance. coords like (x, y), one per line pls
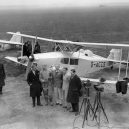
(63, 87)
(27, 48)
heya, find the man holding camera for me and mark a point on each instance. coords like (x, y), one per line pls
(74, 91)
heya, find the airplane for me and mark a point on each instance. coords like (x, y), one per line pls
(84, 61)
(5, 45)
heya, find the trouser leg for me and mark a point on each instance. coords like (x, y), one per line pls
(73, 107)
(52, 97)
(63, 98)
(38, 100)
(66, 93)
(1, 90)
(33, 101)
(60, 95)
(76, 105)
(55, 95)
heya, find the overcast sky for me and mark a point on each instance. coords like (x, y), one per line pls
(59, 3)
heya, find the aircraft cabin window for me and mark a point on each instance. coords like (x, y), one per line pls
(73, 61)
(65, 60)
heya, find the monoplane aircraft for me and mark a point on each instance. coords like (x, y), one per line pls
(84, 61)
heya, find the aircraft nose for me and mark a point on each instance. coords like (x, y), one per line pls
(31, 58)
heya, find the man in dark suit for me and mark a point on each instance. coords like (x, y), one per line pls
(35, 84)
(2, 77)
(74, 91)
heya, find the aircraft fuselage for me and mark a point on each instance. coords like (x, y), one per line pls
(82, 63)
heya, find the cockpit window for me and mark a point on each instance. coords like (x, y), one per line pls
(73, 61)
(65, 60)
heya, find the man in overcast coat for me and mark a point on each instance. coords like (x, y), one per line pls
(35, 84)
(74, 91)
(2, 77)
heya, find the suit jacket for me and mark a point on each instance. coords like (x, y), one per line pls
(58, 79)
(2, 75)
(34, 83)
(74, 89)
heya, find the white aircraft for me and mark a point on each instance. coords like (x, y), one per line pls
(84, 61)
(5, 45)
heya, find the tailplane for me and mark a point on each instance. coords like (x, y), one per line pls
(16, 38)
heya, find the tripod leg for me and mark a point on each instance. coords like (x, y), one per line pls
(84, 114)
(95, 102)
(101, 106)
(93, 112)
(81, 106)
(87, 111)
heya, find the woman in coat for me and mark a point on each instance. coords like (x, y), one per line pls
(74, 91)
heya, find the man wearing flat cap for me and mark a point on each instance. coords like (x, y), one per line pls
(74, 91)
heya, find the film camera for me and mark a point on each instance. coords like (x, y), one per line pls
(87, 84)
(99, 86)
(86, 88)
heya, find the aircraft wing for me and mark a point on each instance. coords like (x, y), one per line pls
(14, 59)
(10, 42)
(71, 42)
(97, 80)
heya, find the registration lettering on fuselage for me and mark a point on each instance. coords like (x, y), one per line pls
(98, 64)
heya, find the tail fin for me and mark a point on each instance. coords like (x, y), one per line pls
(115, 54)
(16, 38)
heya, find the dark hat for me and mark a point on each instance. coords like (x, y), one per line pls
(73, 70)
(102, 79)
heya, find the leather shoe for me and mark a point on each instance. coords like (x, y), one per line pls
(33, 105)
(72, 111)
(39, 104)
(77, 113)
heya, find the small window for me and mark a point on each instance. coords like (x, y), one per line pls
(73, 61)
(65, 60)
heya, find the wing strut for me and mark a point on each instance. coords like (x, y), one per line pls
(127, 65)
(120, 65)
(22, 46)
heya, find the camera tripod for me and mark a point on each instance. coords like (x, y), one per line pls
(87, 106)
(98, 107)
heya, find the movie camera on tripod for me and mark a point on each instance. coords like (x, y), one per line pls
(86, 85)
(88, 109)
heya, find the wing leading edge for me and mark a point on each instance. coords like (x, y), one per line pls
(71, 42)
